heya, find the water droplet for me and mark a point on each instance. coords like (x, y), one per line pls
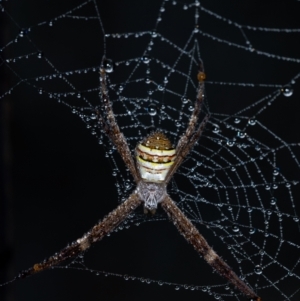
(184, 100)
(241, 134)
(177, 288)
(296, 219)
(216, 129)
(252, 121)
(237, 120)
(287, 91)
(108, 65)
(258, 270)
(145, 59)
(191, 108)
(152, 110)
(160, 88)
(273, 201)
(40, 54)
(235, 228)
(252, 231)
(41, 91)
(127, 185)
(21, 33)
(230, 143)
(232, 168)
(275, 172)
(154, 34)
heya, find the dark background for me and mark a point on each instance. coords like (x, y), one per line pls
(61, 183)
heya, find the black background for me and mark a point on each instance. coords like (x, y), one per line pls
(62, 183)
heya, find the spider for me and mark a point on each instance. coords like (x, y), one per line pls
(156, 161)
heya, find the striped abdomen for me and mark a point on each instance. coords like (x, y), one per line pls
(155, 155)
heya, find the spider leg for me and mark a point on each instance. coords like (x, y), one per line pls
(180, 156)
(112, 129)
(100, 230)
(193, 120)
(192, 235)
(185, 142)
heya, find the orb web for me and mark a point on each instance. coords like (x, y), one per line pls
(240, 184)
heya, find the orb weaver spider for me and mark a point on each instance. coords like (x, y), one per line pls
(156, 162)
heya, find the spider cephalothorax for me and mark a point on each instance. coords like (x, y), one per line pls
(151, 194)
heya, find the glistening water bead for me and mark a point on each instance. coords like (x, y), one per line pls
(185, 100)
(152, 110)
(258, 270)
(216, 129)
(108, 65)
(287, 91)
(251, 121)
(145, 59)
(230, 143)
(241, 134)
(252, 231)
(235, 228)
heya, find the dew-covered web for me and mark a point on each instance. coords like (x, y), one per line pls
(240, 184)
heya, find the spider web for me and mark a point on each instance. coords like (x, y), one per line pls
(239, 185)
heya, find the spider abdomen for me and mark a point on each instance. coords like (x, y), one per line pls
(155, 156)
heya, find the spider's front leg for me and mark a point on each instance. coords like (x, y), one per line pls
(111, 127)
(193, 119)
(100, 230)
(191, 135)
(192, 235)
